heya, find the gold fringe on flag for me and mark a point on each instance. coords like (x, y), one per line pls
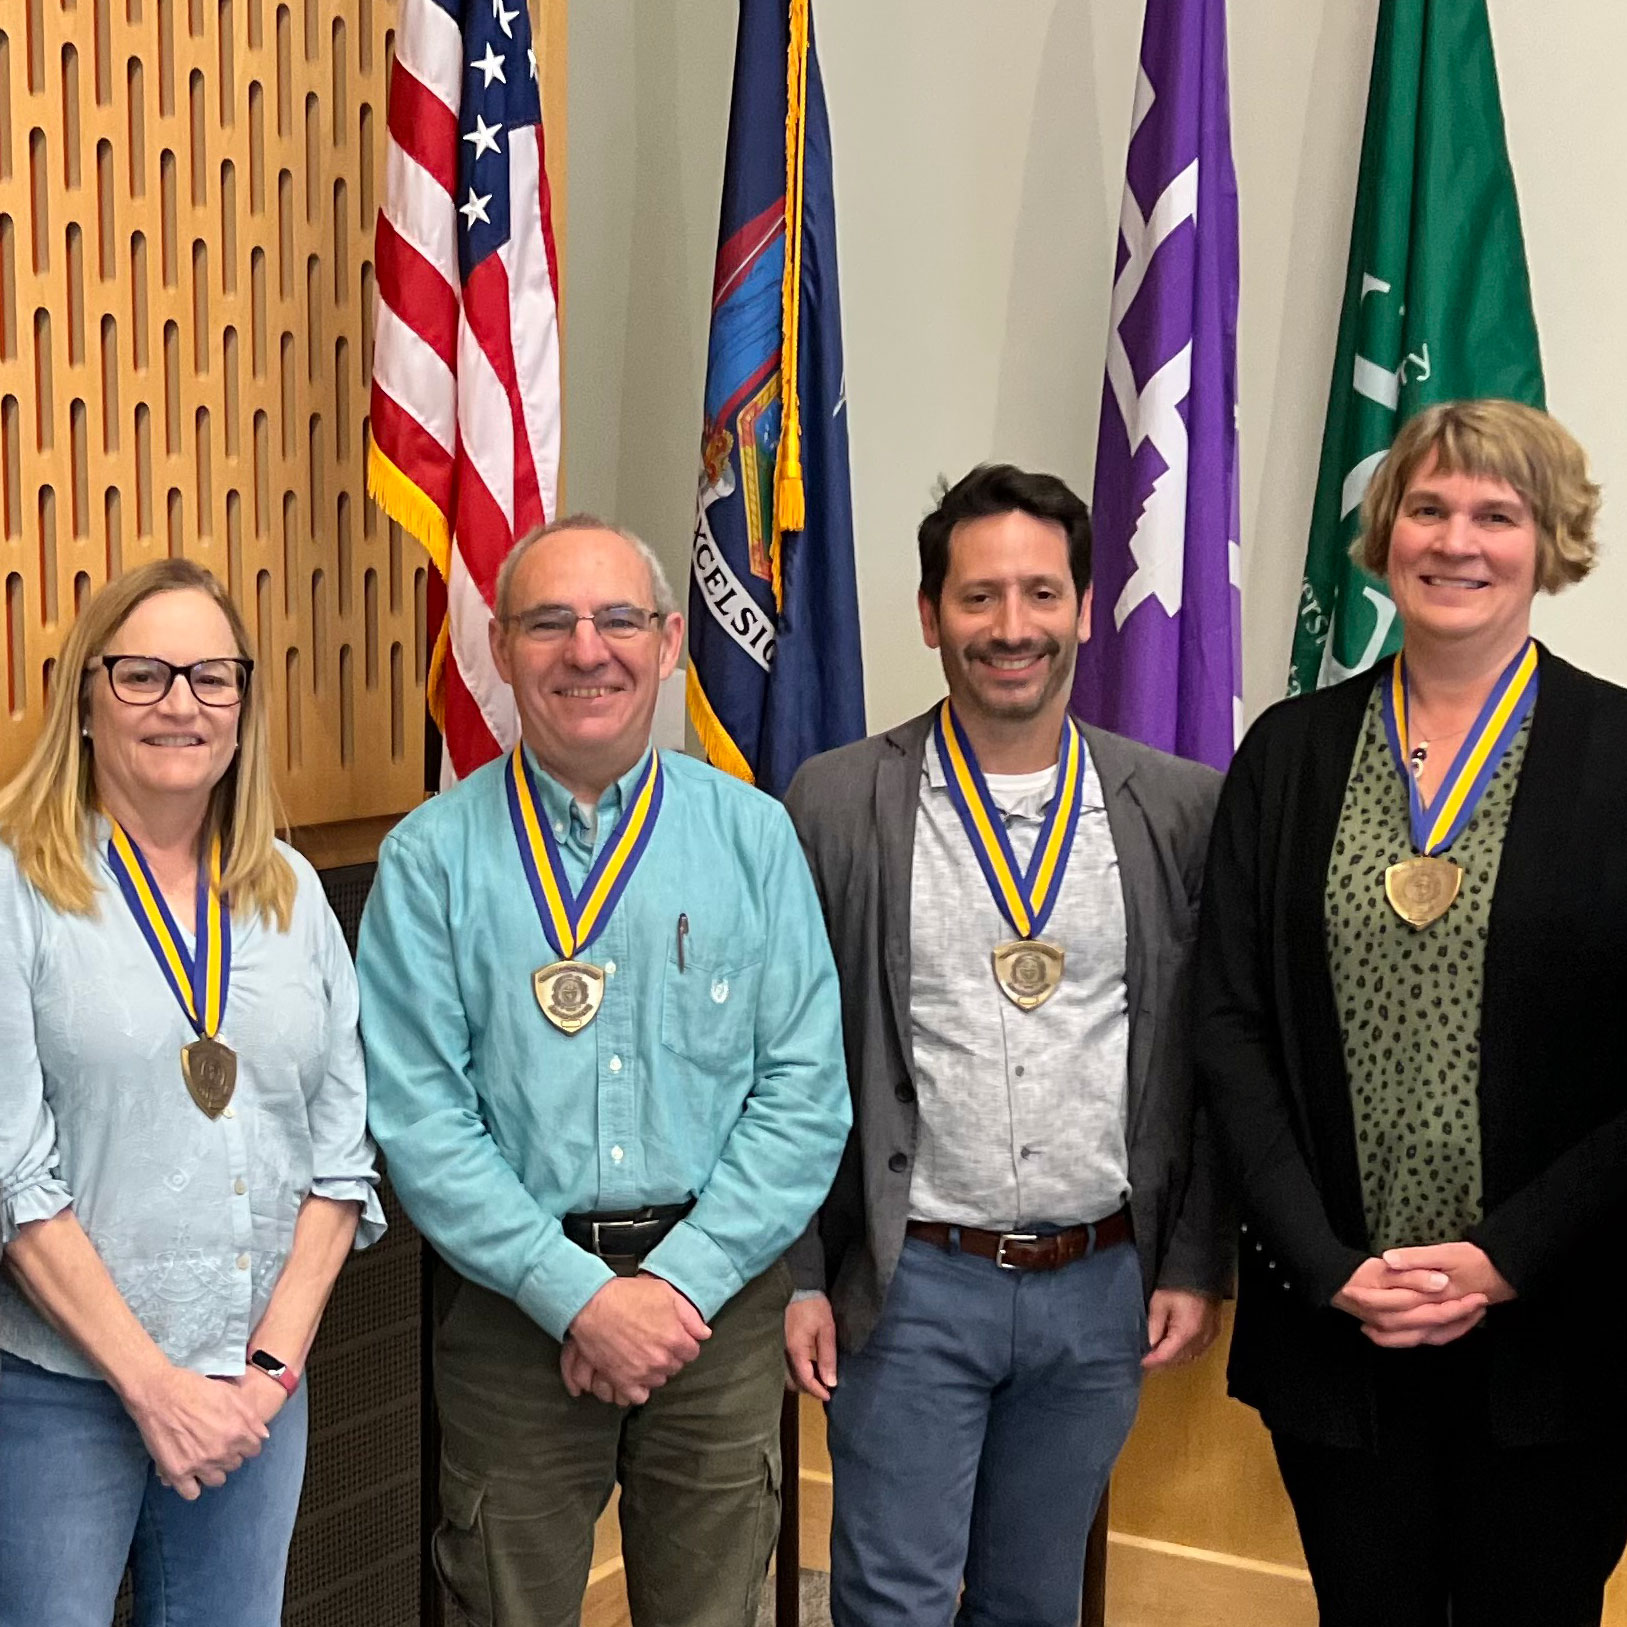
(410, 507)
(716, 742)
(405, 502)
(790, 498)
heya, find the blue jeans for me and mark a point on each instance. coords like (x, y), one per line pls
(972, 1437)
(79, 1496)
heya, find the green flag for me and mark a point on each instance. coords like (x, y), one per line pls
(1437, 303)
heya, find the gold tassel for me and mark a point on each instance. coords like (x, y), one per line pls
(790, 496)
(435, 683)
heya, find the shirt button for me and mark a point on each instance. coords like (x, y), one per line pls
(615, 1064)
(1018, 1070)
(559, 830)
(240, 1186)
(610, 968)
(616, 1155)
(898, 1163)
(1028, 1152)
(242, 1262)
(228, 1112)
(904, 1091)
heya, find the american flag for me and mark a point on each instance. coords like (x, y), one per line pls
(466, 400)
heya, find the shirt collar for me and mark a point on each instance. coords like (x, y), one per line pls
(932, 771)
(559, 807)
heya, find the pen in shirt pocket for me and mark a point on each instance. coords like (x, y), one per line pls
(683, 932)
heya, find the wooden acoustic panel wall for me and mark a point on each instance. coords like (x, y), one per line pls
(187, 199)
(187, 193)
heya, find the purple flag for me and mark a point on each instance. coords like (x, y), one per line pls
(1164, 663)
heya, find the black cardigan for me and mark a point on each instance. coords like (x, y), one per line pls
(1553, 1072)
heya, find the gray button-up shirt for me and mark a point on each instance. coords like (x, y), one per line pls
(1022, 1113)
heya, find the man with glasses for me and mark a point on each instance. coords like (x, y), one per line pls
(605, 1065)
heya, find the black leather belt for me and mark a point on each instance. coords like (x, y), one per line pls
(625, 1234)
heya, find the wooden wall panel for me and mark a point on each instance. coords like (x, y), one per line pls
(1198, 1469)
(187, 196)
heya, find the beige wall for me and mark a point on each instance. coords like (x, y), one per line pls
(979, 159)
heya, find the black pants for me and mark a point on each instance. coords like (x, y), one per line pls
(1441, 1525)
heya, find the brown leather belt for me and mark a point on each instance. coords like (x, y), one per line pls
(1027, 1251)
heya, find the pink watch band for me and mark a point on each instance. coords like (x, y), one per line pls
(274, 1369)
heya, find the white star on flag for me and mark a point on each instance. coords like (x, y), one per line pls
(484, 136)
(532, 56)
(491, 66)
(475, 209)
(504, 19)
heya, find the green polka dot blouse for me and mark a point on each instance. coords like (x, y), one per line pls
(1409, 1001)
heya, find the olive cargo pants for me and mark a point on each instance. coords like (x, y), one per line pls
(526, 1470)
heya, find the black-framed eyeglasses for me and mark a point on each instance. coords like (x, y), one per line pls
(552, 623)
(144, 680)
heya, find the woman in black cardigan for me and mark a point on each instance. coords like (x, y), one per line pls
(1412, 1032)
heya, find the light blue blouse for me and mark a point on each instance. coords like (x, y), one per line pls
(193, 1217)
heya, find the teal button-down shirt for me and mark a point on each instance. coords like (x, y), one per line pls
(722, 1079)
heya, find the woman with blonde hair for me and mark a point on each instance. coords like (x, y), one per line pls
(184, 1161)
(1411, 1031)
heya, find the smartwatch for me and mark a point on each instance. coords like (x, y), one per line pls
(272, 1368)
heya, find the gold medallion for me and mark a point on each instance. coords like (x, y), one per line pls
(210, 1071)
(570, 993)
(1421, 891)
(1028, 970)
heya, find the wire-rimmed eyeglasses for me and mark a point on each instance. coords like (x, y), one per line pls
(551, 623)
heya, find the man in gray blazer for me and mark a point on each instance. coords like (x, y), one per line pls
(1026, 1216)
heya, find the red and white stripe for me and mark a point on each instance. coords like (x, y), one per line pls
(466, 391)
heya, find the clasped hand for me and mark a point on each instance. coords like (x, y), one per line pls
(197, 1430)
(629, 1339)
(1429, 1295)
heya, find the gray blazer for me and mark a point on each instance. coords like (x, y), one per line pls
(854, 810)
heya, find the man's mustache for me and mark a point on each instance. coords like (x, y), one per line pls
(1000, 649)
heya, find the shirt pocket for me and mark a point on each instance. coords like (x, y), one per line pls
(709, 1009)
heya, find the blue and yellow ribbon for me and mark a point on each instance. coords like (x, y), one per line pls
(1026, 901)
(201, 980)
(1436, 825)
(573, 920)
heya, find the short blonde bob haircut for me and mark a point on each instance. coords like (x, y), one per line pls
(46, 811)
(1495, 440)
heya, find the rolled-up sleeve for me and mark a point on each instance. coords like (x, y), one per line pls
(343, 1165)
(29, 1187)
(461, 1192)
(781, 1156)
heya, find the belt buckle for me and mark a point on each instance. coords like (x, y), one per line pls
(602, 1226)
(1011, 1237)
